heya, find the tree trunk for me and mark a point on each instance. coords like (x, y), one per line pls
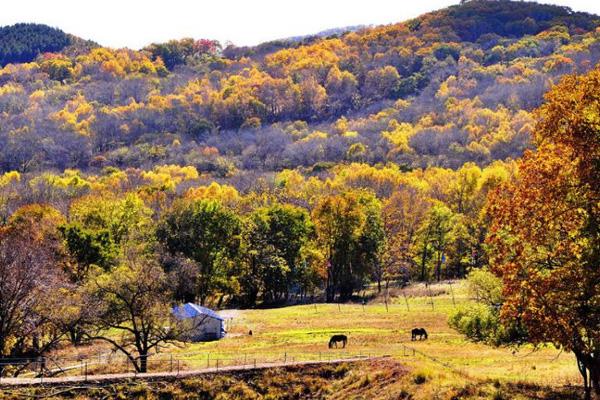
(330, 289)
(143, 362)
(595, 380)
(583, 367)
(423, 262)
(251, 296)
(76, 335)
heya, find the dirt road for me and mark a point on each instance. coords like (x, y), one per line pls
(110, 378)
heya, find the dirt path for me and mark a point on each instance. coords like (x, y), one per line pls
(111, 378)
(229, 314)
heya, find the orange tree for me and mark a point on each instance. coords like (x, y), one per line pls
(545, 238)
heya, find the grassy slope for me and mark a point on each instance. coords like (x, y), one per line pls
(375, 330)
(477, 370)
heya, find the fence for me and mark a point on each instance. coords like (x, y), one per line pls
(46, 370)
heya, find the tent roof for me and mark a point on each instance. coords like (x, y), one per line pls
(191, 310)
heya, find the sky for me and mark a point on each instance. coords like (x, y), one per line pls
(137, 23)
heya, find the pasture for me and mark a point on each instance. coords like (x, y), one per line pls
(374, 329)
(444, 364)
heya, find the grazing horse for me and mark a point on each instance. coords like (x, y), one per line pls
(335, 339)
(420, 332)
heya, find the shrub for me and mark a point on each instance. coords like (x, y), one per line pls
(480, 322)
(420, 378)
(485, 287)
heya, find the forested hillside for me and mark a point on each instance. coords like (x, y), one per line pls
(22, 43)
(452, 86)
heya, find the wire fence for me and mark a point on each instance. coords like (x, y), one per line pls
(113, 366)
(105, 366)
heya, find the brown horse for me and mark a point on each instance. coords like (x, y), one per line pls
(335, 339)
(420, 332)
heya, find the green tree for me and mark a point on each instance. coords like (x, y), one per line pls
(434, 238)
(134, 300)
(275, 239)
(351, 232)
(370, 248)
(208, 234)
(88, 247)
(125, 219)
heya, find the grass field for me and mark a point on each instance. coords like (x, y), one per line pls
(377, 330)
(447, 361)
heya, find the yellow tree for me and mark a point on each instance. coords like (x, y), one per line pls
(403, 214)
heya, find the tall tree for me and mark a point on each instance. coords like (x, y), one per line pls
(32, 283)
(208, 234)
(350, 230)
(545, 232)
(275, 238)
(134, 300)
(434, 238)
(403, 213)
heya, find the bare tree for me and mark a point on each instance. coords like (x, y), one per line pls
(29, 307)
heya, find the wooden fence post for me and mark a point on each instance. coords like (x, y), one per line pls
(430, 297)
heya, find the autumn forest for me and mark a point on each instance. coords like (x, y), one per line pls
(464, 143)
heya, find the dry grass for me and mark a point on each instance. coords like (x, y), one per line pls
(373, 380)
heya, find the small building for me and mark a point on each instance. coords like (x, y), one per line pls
(204, 323)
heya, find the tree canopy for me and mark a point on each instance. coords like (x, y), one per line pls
(545, 231)
(22, 43)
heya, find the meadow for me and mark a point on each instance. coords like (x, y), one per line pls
(445, 366)
(374, 329)
(302, 332)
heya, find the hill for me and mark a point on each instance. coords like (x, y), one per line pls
(452, 86)
(22, 43)
(449, 87)
(310, 171)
